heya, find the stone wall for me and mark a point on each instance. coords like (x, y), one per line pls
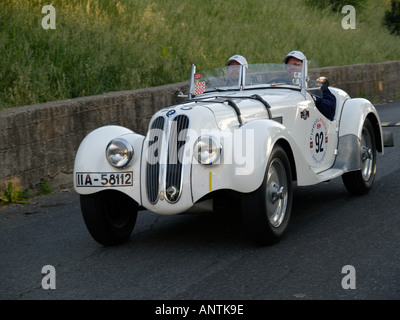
(377, 82)
(38, 142)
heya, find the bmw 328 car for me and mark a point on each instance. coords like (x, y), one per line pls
(244, 139)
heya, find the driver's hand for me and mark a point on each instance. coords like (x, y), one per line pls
(323, 81)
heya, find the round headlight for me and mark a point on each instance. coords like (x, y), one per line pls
(119, 152)
(207, 150)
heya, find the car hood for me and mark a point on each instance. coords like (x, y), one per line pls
(213, 110)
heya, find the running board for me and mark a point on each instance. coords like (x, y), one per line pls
(329, 174)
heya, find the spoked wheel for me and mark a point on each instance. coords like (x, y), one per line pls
(266, 211)
(360, 182)
(109, 216)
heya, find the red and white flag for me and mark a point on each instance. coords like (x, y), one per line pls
(199, 87)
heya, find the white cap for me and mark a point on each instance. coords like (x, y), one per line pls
(295, 54)
(237, 57)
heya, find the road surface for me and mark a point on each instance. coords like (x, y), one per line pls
(336, 247)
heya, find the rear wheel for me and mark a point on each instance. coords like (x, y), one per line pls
(266, 211)
(109, 216)
(360, 182)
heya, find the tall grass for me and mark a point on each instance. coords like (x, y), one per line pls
(105, 45)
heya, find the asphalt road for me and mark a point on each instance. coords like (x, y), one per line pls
(208, 256)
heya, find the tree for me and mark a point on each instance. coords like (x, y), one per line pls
(391, 19)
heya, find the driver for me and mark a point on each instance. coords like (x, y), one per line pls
(327, 104)
(233, 73)
(294, 62)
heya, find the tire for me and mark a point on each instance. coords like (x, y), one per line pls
(110, 216)
(266, 211)
(360, 182)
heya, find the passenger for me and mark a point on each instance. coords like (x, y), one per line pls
(327, 104)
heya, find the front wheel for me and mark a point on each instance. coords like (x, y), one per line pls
(109, 216)
(266, 211)
(360, 182)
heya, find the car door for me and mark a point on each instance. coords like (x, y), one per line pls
(317, 135)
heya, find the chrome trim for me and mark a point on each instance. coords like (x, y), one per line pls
(153, 169)
(175, 160)
(130, 152)
(164, 179)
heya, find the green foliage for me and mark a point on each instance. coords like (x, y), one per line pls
(44, 188)
(336, 5)
(391, 19)
(13, 195)
(102, 46)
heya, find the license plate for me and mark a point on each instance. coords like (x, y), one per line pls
(104, 179)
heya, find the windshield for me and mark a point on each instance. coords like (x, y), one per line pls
(273, 74)
(246, 76)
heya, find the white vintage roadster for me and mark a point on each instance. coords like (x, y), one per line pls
(242, 134)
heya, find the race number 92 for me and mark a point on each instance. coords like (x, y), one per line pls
(318, 140)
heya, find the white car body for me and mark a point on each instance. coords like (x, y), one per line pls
(244, 124)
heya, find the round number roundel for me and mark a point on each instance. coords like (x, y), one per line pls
(318, 140)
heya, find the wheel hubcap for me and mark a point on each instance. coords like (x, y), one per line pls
(367, 156)
(276, 193)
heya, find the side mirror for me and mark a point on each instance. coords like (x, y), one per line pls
(179, 95)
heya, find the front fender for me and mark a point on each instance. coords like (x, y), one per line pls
(246, 152)
(91, 158)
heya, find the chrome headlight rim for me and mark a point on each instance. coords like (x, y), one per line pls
(208, 150)
(119, 153)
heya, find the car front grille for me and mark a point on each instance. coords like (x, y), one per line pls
(153, 166)
(164, 173)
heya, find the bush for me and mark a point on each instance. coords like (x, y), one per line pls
(13, 195)
(44, 188)
(391, 19)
